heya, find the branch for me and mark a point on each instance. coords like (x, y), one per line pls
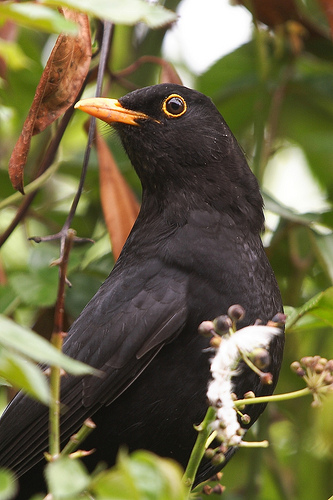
(57, 340)
(274, 397)
(204, 432)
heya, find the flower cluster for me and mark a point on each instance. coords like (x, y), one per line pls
(317, 372)
(249, 344)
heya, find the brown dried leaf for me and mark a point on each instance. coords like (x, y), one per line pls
(169, 73)
(119, 205)
(57, 90)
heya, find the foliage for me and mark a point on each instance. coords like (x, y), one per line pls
(275, 92)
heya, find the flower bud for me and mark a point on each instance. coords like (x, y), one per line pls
(246, 419)
(218, 489)
(218, 459)
(207, 490)
(258, 322)
(329, 365)
(266, 378)
(249, 394)
(279, 319)
(222, 324)
(236, 312)
(210, 453)
(297, 368)
(215, 342)
(206, 328)
(260, 358)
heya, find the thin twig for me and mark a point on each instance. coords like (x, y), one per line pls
(105, 50)
(57, 340)
(75, 440)
(273, 398)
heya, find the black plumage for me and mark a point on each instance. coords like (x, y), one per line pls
(194, 250)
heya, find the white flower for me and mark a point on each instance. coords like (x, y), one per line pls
(223, 367)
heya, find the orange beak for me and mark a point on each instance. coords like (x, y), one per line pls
(110, 111)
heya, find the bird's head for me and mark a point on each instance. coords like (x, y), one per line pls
(180, 145)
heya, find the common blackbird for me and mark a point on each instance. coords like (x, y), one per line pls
(194, 250)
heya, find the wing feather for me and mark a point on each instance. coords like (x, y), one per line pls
(135, 312)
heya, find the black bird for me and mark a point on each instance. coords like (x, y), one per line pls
(194, 250)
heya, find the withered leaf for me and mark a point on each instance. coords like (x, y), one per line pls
(57, 90)
(119, 205)
(169, 73)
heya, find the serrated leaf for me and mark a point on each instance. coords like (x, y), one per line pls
(36, 16)
(66, 477)
(128, 12)
(29, 344)
(321, 305)
(25, 375)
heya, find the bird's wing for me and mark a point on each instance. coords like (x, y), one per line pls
(135, 312)
(125, 325)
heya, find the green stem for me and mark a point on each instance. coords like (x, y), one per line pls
(54, 438)
(274, 397)
(30, 188)
(255, 444)
(75, 440)
(199, 448)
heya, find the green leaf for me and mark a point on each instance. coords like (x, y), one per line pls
(141, 476)
(128, 12)
(13, 55)
(237, 71)
(8, 485)
(287, 213)
(28, 343)
(156, 478)
(309, 123)
(233, 84)
(66, 477)
(37, 288)
(25, 375)
(36, 16)
(7, 297)
(321, 306)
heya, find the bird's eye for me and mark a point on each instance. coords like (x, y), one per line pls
(174, 106)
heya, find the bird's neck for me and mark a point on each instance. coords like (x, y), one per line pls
(175, 202)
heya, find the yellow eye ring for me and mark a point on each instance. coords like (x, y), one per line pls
(174, 106)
